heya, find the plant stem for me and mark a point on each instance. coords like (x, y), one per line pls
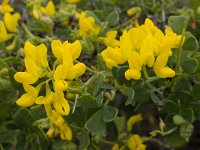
(145, 73)
(107, 142)
(27, 31)
(179, 49)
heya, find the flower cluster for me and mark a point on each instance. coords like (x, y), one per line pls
(38, 10)
(144, 45)
(54, 81)
(87, 25)
(9, 22)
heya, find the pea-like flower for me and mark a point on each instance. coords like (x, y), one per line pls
(5, 7)
(87, 25)
(56, 81)
(11, 21)
(135, 143)
(38, 11)
(29, 98)
(5, 36)
(144, 45)
(110, 40)
(49, 9)
(35, 62)
(133, 120)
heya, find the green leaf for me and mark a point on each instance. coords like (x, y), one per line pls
(63, 145)
(100, 99)
(131, 94)
(171, 107)
(5, 109)
(87, 101)
(3, 64)
(189, 65)
(178, 119)
(191, 43)
(186, 130)
(142, 95)
(185, 98)
(42, 141)
(95, 123)
(181, 84)
(99, 83)
(113, 18)
(24, 119)
(120, 123)
(109, 113)
(84, 141)
(4, 84)
(178, 23)
(195, 108)
(6, 135)
(196, 92)
(88, 47)
(91, 14)
(188, 114)
(155, 98)
(118, 73)
(78, 118)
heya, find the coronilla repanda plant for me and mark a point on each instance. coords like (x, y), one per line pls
(55, 81)
(144, 45)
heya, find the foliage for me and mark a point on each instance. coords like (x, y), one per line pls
(103, 74)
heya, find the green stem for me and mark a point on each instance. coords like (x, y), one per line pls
(179, 49)
(107, 142)
(94, 146)
(27, 31)
(145, 73)
(89, 81)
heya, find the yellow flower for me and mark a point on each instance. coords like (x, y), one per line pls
(141, 46)
(133, 120)
(61, 50)
(49, 9)
(135, 65)
(37, 53)
(112, 57)
(10, 47)
(3, 33)
(76, 71)
(60, 104)
(110, 40)
(160, 68)
(56, 118)
(87, 25)
(50, 96)
(65, 54)
(36, 12)
(5, 7)
(115, 147)
(29, 98)
(135, 143)
(65, 132)
(31, 75)
(148, 48)
(36, 64)
(125, 44)
(60, 85)
(133, 11)
(11, 21)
